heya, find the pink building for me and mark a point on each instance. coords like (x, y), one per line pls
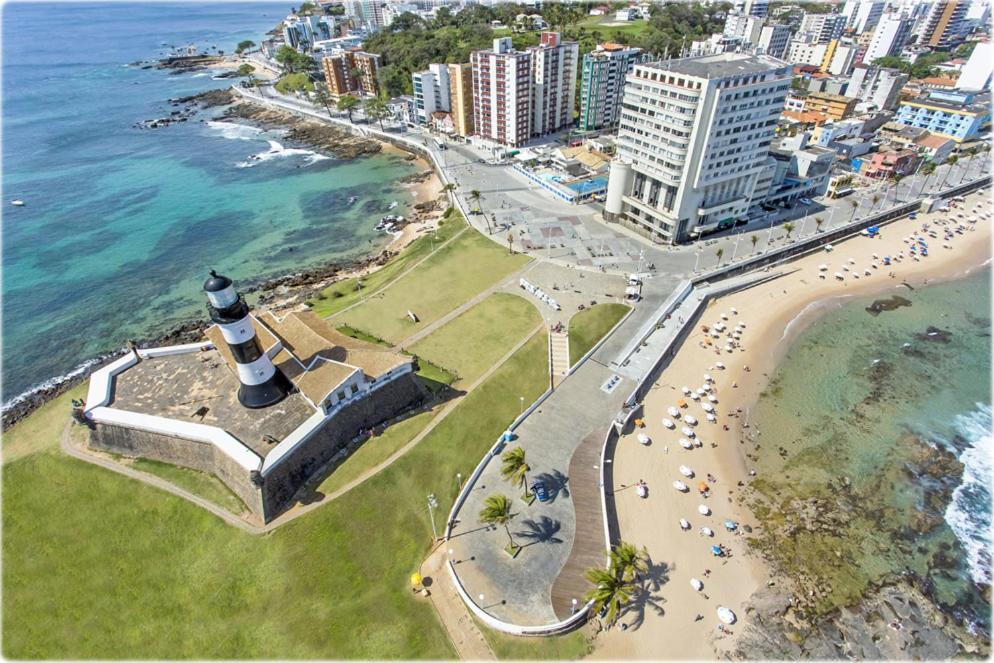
(882, 165)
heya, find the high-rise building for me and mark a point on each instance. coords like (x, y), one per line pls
(693, 140)
(888, 38)
(879, 87)
(757, 8)
(431, 91)
(943, 24)
(977, 72)
(823, 27)
(352, 72)
(502, 93)
(461, 97)
(367, 65)
(739, 25)
(836, 57)
(863, 15)
(602, 83)
(554, 64)
(774, 40)
(367, 12)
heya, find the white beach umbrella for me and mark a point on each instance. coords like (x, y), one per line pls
(712, 418)
(701, 391)
(724, 316)
(687, 431)
(681, 486)
(735, 310)
(667, 423)
(686, 444)
(673, 412)
(726, 615)
(698, 442)
(706, 531)
(696, 584)
(839, 276)
(686, 390)
(686, 471)
(695, 396)
(707, 377)
(704, 510)
(712, 398)
(822, 268)
(707, 407)
(720, 365)
(644, 439)
(690, 420)
(684, 524)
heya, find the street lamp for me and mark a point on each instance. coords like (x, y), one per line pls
(432, 505)
(572, 610)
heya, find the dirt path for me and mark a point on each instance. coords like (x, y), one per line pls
(463, 632)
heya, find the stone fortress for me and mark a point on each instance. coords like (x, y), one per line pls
(263, 403)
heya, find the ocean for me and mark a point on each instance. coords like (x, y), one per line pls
(121, 225)
(881, 424)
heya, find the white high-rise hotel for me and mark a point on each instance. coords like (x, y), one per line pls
(694, 138)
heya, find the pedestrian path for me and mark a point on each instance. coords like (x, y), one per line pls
(463, 632)
(559, 348)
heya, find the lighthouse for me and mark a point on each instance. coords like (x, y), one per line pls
(261, 384)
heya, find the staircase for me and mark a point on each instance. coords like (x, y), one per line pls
(559, 348)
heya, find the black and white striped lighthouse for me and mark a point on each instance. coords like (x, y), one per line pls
(261, 384)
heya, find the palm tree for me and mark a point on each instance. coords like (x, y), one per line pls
(818, 221)
(323, 97)
(348, 103)
(497, 511)
(377, 109)
(754, 239)
(475, 196)
(719, 253)
(950, 162)
(789, 227)
(855, 206)
(972, 152)
(510, 243)
(927, 170)
(609, 589)
(629, 561)
(513, 467)
(874, 200)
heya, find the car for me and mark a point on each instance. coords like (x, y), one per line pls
(481, 161)
(804, 201)
(741, 221)
(768, 207)
(541, 492)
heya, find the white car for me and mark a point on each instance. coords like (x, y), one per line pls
(804, 201)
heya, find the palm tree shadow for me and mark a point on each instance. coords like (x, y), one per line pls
(555, 484)
(645, 597)
(543, 530)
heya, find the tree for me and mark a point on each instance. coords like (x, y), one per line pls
(719, 253)
(629, 561)
(322, 97)
(950, 162)
(347, 104)
(789, 227)
(927, 170)
(245, 70)
(874, 200)
(377, 110)
(610, 590)
(292, 60)
(972, 152)
(514, 469)
(855, 206)
(818, 221)
(475, 196)
(497, 511)
(754, 239)
(244, 46)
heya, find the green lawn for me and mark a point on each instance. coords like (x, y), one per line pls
(602, 25)
(344, 293)
(570, 647)
(99, 566)
(451, 276)
(477, 339)
(201, 484)
(589, 326)
(43, 428)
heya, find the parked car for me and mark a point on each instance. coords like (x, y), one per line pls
(541, 492)
(804, 201)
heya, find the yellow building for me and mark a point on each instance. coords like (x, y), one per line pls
(461, 97)
(835, 106)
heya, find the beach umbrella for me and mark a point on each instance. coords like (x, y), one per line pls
(731, 525)
(742, 324)
(822, 268)
(698, 442)
(690, 420)
(702, 486)
(735, 310)
(708, 378)
(669, 424)
(704, 510)
(712, 398)
(716, 550)
(726, 615)
(845, 268)
(686, 390)
(686, 471)
(696, 584)
(829, 247)
(707, 407)
(724, 316)
(706, 387)
(644, 439)
(684, 523)
(681, 403)
(852, 262)
(686, 444)
(681, 486)
(695, 396)
(839, 276)
(701, 391)
(866, 272)
(711, 418)
(673, 412)
(686, 431)
(706, 531)
(720, 365)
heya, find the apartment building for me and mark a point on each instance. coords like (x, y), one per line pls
(835, 106)
(461, 98)
(431, 92)
(749, 28)
(978, 70)
(693, 140)
(502, 93)
(864, 16)
(352, 72)
(835, 57)
(774, 40)
(554, 65)
(889, 37)
(823, 27)
(943, 25)
(878, 87)
(602, 81)
(757, 8)
(960, 116)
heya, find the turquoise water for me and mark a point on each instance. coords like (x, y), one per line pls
(120, 224)
(586, 186)
(849, 420)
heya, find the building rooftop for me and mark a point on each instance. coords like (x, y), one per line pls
(721, 65)
(932, 141)
(932, 102)
(830, 96)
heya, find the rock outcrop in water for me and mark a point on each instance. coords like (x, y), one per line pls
(889, 304)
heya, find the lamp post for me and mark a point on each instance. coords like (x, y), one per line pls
(432, 505)
(736, 248)
(572, 609)
(769, 236)
(697, 258)
(522, 410)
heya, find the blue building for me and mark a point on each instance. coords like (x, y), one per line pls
(951, 114)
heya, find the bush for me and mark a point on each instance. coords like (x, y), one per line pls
(295, 83)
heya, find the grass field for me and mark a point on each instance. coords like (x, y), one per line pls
(451, 276)
(43, 428)
(569, 647)
(99, 566)
(477, 339)
(344, 293)
(589, 326)
(201, 484)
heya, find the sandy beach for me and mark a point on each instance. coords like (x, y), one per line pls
(774, 314)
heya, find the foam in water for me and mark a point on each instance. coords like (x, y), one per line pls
(969, 513)
(235, 131)
(277, 151)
